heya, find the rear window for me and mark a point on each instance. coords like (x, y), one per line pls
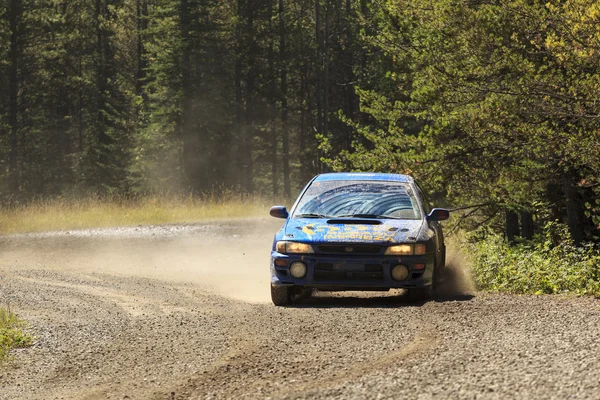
(347, 198)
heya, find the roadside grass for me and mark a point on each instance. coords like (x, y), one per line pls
(548, 264)
(12, 334)
(63, 214)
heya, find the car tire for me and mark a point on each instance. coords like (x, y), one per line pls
(281, 296)
(427, 292)
(435, 280)
(443, 260)
(442, 270)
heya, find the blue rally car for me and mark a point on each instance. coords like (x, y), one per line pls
(358, 231)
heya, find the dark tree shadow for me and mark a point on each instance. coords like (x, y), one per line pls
(371, 300)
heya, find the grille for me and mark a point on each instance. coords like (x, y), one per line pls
(356, 249)
(348, 272)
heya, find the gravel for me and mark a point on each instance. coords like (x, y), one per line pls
(125, 319)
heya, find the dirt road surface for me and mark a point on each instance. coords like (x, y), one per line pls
(178, 312)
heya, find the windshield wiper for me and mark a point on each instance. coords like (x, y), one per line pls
(366, 216)
(311, 216)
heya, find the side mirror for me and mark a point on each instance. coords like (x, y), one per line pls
(438, 214)
(278, 212)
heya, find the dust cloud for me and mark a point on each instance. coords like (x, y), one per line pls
(458, 280)
(229, 259)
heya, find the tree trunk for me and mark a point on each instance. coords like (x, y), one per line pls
(103, 139)
(303, 101)
(80, 126)
(303, 123)
(319, 69)
(80, 87)
(349, 84)
(287, 191)
(239, 105)
(512, 226)
(251, 97)
(273, 131)
(142, 26)
(191, 155)
(575, 212)
(527, 225)
(326, 71)
(14, 16)
(62, 142)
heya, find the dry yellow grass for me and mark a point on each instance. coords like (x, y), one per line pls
(93, 213)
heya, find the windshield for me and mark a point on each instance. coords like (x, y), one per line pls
(360, 199)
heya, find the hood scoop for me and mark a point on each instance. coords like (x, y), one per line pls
(353, 221)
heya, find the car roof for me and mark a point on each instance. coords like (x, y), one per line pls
(363, 176)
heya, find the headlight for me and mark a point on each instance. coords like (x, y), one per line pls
(400, 250)
(298, 270)
(293, 247)
(406, 250)
(400, 272)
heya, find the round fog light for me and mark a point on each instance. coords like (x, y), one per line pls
(298, 269)
(400, 272)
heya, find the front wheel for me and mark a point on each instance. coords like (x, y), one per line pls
(281, 295)
(427, 292)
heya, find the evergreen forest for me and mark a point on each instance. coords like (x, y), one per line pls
(490, 104)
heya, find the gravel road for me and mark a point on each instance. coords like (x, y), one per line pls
(178, 312)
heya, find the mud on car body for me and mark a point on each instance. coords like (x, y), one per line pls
(358, 231)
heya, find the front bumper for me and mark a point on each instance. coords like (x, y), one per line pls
(335, 272)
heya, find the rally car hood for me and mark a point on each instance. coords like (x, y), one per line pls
(352, 230)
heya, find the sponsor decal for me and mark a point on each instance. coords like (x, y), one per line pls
(377, 233)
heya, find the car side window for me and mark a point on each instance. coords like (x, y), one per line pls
(424, 199)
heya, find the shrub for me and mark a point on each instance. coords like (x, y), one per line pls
(11, 333)
(550, 263)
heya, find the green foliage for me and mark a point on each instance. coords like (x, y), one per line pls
(484, 102)
(156, 153)
(11, 333)
(551, 263)
(145, 96)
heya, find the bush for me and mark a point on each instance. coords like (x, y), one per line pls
(550, 263)
(11, 333)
